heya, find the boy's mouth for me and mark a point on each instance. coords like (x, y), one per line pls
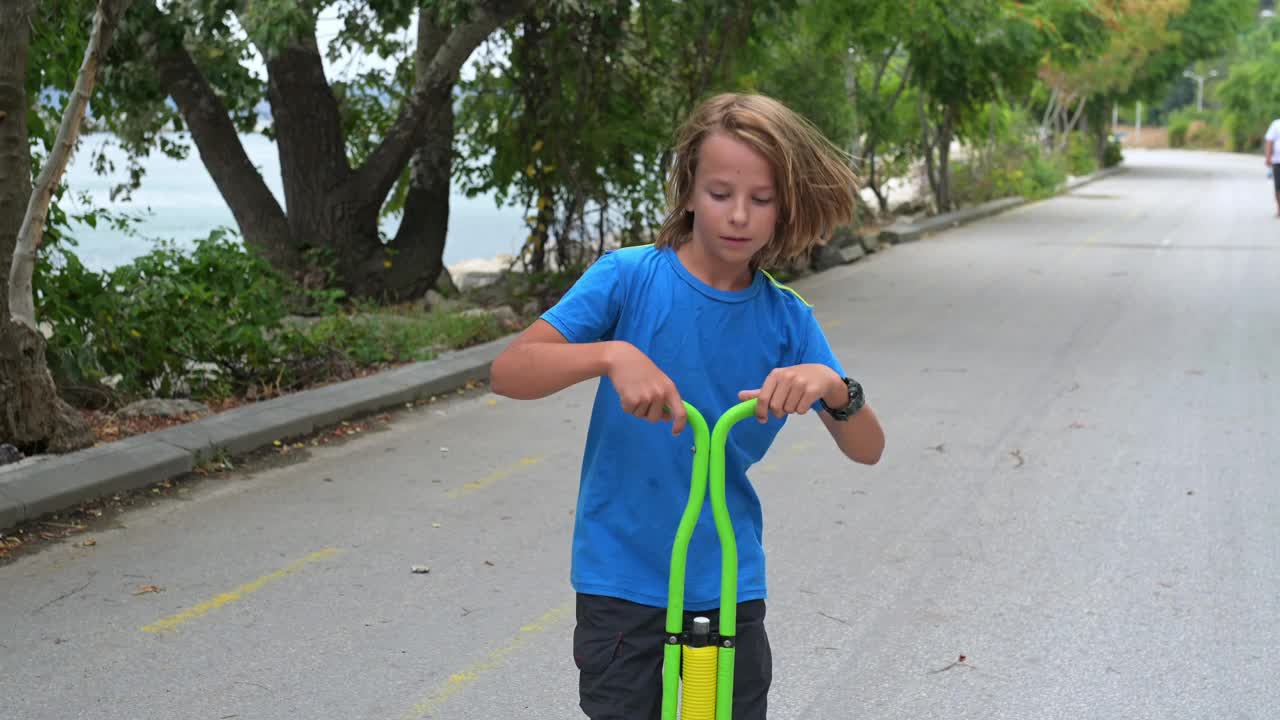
(735, 239)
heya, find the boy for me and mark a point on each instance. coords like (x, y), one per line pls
(692, 317)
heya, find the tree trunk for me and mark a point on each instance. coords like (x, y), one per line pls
(927, 140)
(257, 213)
(32, 416)
(945, 133)
(331, 218)
(23, 265)
(15, 154)
(417, 252)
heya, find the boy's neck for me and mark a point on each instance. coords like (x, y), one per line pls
(728, 278)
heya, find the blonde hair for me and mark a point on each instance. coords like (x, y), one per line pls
(815, 183)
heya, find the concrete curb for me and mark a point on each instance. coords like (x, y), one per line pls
(902, 231)
(40, 485)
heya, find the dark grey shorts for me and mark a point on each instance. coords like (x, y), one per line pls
(618, 647)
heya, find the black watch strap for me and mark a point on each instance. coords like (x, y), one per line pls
(856, 401)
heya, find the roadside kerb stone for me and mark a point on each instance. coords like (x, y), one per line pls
(55, 483)
(66, 480)
(902, 231)
(237, 431)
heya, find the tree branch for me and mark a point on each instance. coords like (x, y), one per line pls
(258, 214)
(21, 296)
(435, 73)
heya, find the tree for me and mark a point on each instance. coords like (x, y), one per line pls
(575, 121)
(32, 416)
(1251, 92)
(964, 54)
(343, 149)
(1110, 44)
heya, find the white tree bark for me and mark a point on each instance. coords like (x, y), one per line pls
(21, 294)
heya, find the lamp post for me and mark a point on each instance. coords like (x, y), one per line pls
(1199, 85)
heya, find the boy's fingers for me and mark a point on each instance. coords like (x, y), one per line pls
(641, 410)
(765, 397)
(791, 402)
(748, 394)
(679, 416)
(655, 411)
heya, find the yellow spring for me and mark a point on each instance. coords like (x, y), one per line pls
(698, 683)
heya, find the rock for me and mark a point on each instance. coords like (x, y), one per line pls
(505, 315)
(160, 407)
(432, 300)
(826, 257)
(843, 237)
(9, 454)
(852, 253)
(420, 569)
(531, 309)
(870, 241)
(445, 284)
(473, 279)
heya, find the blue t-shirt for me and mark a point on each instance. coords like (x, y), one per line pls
(635, 474)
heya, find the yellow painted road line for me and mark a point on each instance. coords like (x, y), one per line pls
(467, 677)
(173, 621)
(493, 477)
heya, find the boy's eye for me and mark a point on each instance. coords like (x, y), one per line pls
(763, 201)
(718, 195)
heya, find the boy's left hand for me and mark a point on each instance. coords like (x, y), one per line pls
(793, 390)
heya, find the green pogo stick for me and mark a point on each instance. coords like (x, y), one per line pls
(699, 658)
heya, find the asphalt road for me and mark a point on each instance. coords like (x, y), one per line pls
(1079, 495)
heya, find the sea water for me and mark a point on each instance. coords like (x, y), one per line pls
(178, 201)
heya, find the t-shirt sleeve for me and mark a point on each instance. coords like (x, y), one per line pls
(589, 311)
(816, 350)
(1273, 131)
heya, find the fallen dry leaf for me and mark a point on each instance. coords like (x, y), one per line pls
(148, 589)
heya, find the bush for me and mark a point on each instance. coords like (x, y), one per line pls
(1204, 130)
(1009, 159)
(1178, 125)
(1112, 154)
(1080, 159)
(213, 323)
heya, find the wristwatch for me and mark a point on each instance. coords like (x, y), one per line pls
(856, 401)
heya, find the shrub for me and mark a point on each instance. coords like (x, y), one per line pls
(1112, 154)
(214, 322)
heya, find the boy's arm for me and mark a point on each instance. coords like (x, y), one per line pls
(793, 390)
(860, 437)
(541, 362)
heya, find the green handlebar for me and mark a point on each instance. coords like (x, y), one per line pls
(708, 468)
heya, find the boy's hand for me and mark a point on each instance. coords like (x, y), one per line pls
(793, 390)
(645, 391)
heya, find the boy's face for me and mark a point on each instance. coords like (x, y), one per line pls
(734, 200)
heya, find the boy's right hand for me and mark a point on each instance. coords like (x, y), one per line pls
(645, 391)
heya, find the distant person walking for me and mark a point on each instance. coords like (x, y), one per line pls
(1272, 137)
